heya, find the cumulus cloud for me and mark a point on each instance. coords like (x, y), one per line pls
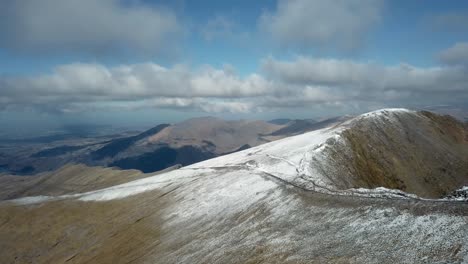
(457, 54)
(138, 85)
(307, 83)
(366, 75)
(349, 81)
(203, 104)
(311, 23)
(86, 26)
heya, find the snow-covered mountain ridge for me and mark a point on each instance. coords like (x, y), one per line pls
(386, 149)
(328, 160)
(259, 205)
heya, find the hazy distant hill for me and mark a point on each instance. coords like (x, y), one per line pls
(299, 126)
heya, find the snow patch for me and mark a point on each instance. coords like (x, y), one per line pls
(386, 112)
(380, 192)
(144, 185)
(31, 200)
(458, 195)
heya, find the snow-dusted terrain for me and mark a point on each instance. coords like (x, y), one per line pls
(265, 204)
(290, 160)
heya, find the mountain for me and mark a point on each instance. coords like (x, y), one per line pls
(279, 202)
(280, 121)
(116, 146)
(155, 149)
(184, 143)
(222, 135)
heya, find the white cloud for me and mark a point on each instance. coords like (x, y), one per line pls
(363, 76)
(137, 85)
(310, 23)
(457, 54)
(204, 105)
(305, 83)
(87, 26)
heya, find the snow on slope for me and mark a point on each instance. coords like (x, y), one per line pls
(458, 195)
(293, 159)
(287, 160)
(284, 159)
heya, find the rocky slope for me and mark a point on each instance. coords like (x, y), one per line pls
(274, 203)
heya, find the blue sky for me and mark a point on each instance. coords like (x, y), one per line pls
(94, 60)
(404, 34)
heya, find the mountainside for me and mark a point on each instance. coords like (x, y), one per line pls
(302, 199)
(416, 152)
(185, 143)
(223, 136)
(70, 179)
(420, 153)
(155, 149)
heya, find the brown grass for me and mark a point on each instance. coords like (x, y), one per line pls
(81, 232)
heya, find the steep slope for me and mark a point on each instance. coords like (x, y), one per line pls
(257, 205)
(417, 152)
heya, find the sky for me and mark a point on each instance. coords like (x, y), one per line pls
(143, 62)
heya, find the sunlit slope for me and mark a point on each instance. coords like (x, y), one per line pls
(416, 152)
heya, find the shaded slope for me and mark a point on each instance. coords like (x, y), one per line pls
(164, 157)
(280, 121)
(57, 151)
(116, 146)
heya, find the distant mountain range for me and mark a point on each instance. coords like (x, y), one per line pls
(158, 148)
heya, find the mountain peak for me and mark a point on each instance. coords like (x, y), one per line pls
(386, 112)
